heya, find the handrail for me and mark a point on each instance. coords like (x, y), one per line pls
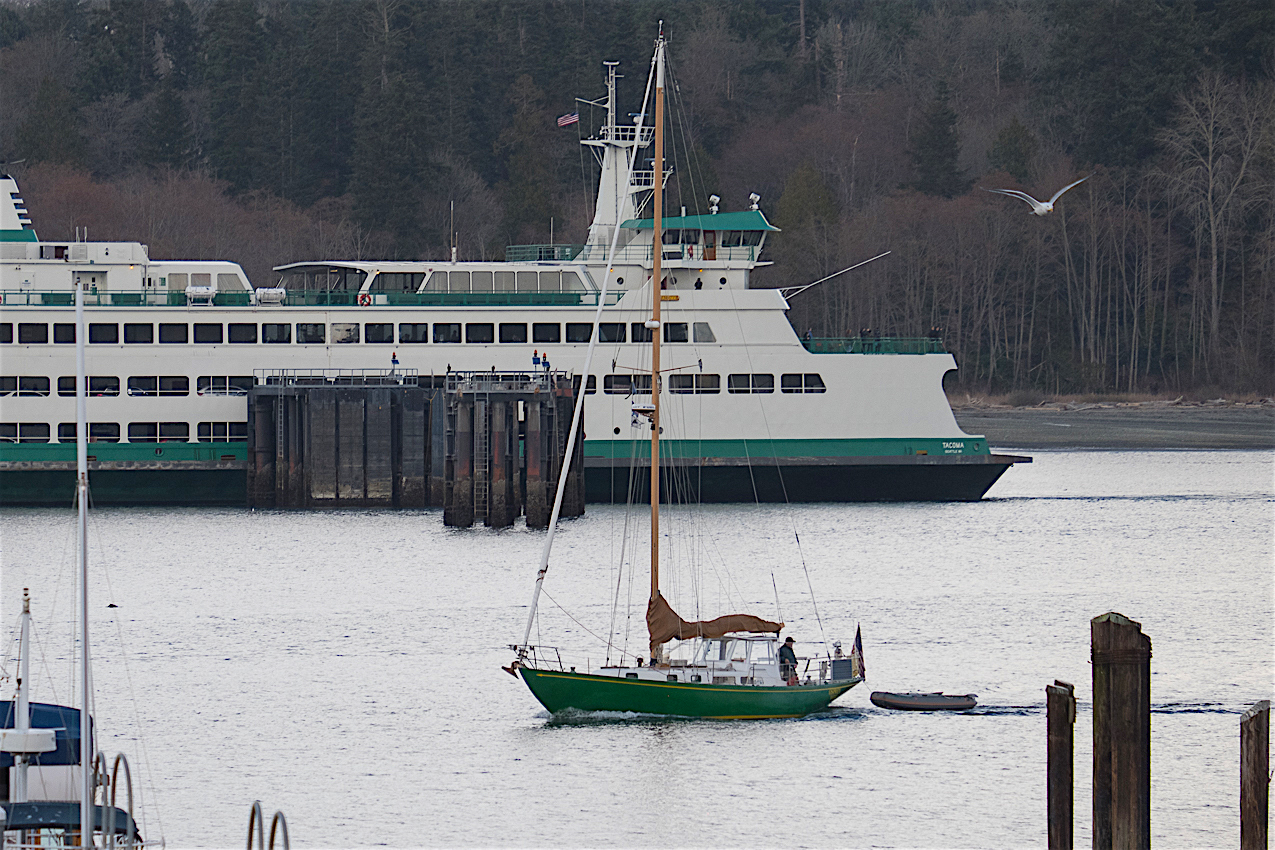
(875, 345)
(278, 824)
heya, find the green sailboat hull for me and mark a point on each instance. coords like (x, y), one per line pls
(557, 691)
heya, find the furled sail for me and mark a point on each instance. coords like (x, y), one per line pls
(665, 625)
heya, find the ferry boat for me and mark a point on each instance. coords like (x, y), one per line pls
(761, 413)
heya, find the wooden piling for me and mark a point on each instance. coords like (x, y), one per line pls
(1060, 701)
(499, 514)
(459, 511)
(320, 439)
(1121, 656)
(413, 449)
(537, 503)
(438, 471)
(1255, 766)
(378, 449)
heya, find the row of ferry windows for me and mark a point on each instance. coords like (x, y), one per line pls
(138, 432)
(137, 385)
(31, 333)
(700, 384)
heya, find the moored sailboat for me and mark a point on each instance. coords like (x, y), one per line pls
(730, 667)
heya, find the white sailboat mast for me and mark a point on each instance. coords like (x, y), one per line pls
(82, 501)
(657, 249)
(22, 717)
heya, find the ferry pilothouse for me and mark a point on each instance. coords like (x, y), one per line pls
(753, 411)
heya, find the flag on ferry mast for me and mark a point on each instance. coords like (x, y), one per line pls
(856, 654)
(568, 119)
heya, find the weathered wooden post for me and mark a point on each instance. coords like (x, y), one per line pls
(498, 513)
(1060, 702)
(459, 512)
(533, 452)
(1121, 656)
(1255, 766)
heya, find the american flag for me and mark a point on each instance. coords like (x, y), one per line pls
(568, 119)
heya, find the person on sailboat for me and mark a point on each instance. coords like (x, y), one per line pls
(788, 662)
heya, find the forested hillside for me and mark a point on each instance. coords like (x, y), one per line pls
(274, 131)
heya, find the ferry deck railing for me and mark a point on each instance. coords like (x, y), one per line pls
(875, 345)
(336, 377)
(307, 298)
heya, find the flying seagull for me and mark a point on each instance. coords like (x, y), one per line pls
(1038, 207)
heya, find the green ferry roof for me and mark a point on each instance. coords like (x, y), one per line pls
(18, 236)
(746, 220)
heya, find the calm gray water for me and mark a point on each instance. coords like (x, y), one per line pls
(345, 667)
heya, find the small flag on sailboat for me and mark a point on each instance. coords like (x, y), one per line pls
(856, 655)
(568, 119)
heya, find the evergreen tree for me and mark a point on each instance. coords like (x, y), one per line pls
(167, 140)
(12, 27)
(388, 167)
(233, 55)
(49, 134)
(807, 217)
(935, 149)
(1013, 150)
(526, 145)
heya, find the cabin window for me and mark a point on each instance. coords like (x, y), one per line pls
(480, 332)
(796, 383)
(551, 281)
(66, 432)
(207, 333)
(99, 385)
(137, 334)
(458, 281)
(104, 432)
(32, 334)
(513, 332)
(397, 281)
(640, 332)
(695, 384)
(671, 677)
(579, 331)
(223, 432)
(755, 383)
(310, 333)
(145, 385)
(104, 334)
(241, 332)
(408, 332)
(276, 333)
(675, 332)
(229, 283)
(731, 239)
(481, 281)
(29, 432)
(64, 334)
(696, 677)
(345, 332)
(6, 333)
(174, 385)
(528, 282)
(8, 432)
(446, 332)
(590, 388)
(143, 432)
(173, 334)
(9, 385)
(223, 385)
(437, 282)
(546, 332)
(611, 332)
(630, 675)
(702, 332)
(201, 279)
(177, 280)
(33, 385)
(626, 385)
(378, 332)
(505, 282)
(571, 282)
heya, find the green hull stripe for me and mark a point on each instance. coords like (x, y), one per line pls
(884, 447)
(586, 692)
(18, 236)
(121, 452)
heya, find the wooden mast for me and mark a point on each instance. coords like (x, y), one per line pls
(657, 248)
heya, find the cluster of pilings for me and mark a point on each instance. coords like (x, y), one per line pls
(482, 446)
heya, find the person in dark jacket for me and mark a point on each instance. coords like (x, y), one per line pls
(788, 662)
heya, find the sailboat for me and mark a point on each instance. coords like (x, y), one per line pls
(730, 667)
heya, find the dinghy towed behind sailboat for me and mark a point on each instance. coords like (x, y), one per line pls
(709, 684)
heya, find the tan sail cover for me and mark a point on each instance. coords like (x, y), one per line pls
(665, 625)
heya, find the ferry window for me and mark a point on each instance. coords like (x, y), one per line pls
(731, 239)
(378, 332)
(64, 334)
(99, 385)
(701, 332)
(675, 332)
(137, 333)
(243, 332)
(172, 334)
(104, 432)
(201, 279)
(505, 281)
(672, 237)
(32, 334)
(551, 281)
(696, 384)
(641, 333)
(413, 332)
(437, 282)
(174, 432)
(210, 385)
(481, 282)
(66, 385)
(239, 384)
(9, 385)
(52, 252)
(228, 282)
(571, 282)
(750, 383)
(66, 432)
(276, 333)
(343, 332)
(143, 432)
(6, 333)
(480, 332)
(33, 432)
(8, 432)
(310, 333)
(515, 332)
(579, 331)
(33, 386)
(446, 332)
(171, 385)
(527, 282)
(751, 237)
(206, 333)
(807, 383)
(398, 281)
(104, 334)
(611, 332)
(223, 432)
(458, 281)
(617, 384)
(147, 385)
(546, 332)
(590, 388)
(177, 280)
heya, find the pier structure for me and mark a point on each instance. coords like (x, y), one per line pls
(484, 446)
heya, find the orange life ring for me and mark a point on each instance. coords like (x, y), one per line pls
(365, 299)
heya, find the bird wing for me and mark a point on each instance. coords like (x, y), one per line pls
(1058, 194)
(1014, 193)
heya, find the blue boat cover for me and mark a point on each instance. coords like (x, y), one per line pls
(47, 815)
(64, 719)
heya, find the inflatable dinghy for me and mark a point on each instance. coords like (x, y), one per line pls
(924, 702)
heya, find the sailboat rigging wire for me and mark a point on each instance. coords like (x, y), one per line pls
(584, 379)
(570, 617)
